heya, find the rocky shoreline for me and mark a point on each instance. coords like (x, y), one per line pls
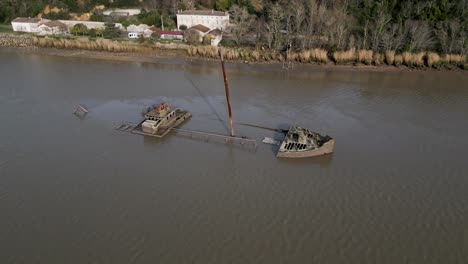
(15, 40)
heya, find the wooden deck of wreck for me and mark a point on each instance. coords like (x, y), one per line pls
(136, 129)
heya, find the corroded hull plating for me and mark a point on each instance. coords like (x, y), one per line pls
(303, 143)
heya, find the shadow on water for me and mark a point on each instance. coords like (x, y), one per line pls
(206, 101)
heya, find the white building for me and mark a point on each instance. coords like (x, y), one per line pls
(137, 29)
(27, 24)
(52, 27)
(88, 24)
(215, 35)
(209, 18)
(127, 12)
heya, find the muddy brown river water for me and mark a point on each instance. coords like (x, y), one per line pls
(77, 191)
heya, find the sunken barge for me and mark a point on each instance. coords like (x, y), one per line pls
(161, 120)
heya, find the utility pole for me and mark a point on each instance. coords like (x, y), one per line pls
(162, 23)
(226, 88)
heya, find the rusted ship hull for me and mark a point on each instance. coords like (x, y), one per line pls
(303, 143)
(325, 149)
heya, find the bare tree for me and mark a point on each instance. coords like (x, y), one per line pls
(295, 16)
(274, 25)
(337, 28)
(447, 34)
(418, 35)
(242, 23)
(392, 38)
(188, 4)
(379, 25)
(297, 12)
(315, 22)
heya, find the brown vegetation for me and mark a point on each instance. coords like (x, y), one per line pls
(368, 57)
(365, 56)
(413, 59)
(433, 59)
(348, 56)
(389, 57)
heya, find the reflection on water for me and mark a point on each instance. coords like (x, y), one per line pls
(76, 190)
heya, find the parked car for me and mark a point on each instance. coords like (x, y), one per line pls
(134, 35)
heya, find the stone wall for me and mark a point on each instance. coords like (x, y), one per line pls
(15, 40)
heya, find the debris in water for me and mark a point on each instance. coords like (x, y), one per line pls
(270, 141)
(80, 111)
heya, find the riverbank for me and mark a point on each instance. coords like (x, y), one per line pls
(155, 52)
(180, 56)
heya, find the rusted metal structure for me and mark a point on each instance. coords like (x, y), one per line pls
(160, 120)
(226, 89)
(302, 143)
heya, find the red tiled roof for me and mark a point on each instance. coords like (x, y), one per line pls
(154, 29)
(202, 13)
(201, 28)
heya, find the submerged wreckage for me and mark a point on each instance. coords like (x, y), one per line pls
(297, 143)
(302, 143)
(161, 119)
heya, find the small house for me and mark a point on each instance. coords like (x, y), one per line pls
(216, 36)
(149, 31)
(198, 30)
(52, 27)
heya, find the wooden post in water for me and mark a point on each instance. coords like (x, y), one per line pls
(226, 88)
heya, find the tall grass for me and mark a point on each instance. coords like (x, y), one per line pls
(455, 59)
(398, 60)
(378, 59)
(433, 59)
(365, 56)
(344, 56)
(413, 59)
(390, 57)
(98, 45)
(313, 55)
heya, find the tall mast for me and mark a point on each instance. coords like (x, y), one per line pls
(226, 88)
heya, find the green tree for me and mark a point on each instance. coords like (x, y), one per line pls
(79, 29)
(223, 5)
(111, 31)
(92, 33)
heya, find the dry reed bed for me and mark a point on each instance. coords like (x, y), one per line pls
(368, 57)
(97, 45)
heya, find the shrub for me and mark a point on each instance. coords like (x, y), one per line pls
(398, 60)
(365, 56)
(413, 59)
(455, 59)
(390, 57)
(319, 55)
(433, 59)
(344, 56)
(378, 59)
